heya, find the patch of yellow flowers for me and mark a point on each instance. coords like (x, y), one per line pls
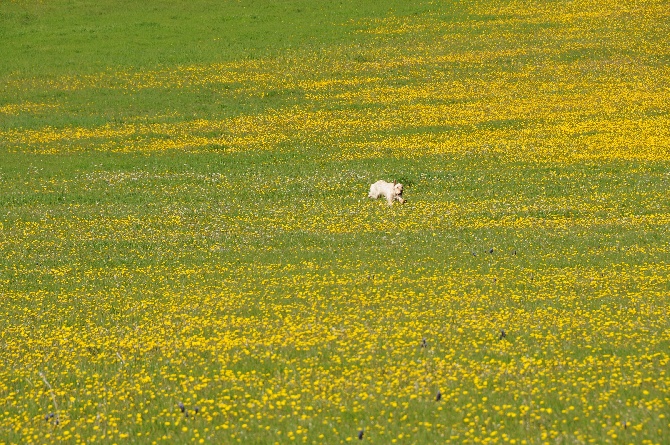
(551, 103)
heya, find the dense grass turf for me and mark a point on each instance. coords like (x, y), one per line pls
(183, 219)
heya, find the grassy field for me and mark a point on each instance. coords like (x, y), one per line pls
(184, 222)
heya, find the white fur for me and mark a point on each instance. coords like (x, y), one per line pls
(390, 190)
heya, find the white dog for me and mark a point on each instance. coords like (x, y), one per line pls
(391, 191)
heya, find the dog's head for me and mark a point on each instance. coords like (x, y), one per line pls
(398, 188)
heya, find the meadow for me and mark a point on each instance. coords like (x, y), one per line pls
(188, 253)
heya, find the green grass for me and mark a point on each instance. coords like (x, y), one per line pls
(183, 218)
